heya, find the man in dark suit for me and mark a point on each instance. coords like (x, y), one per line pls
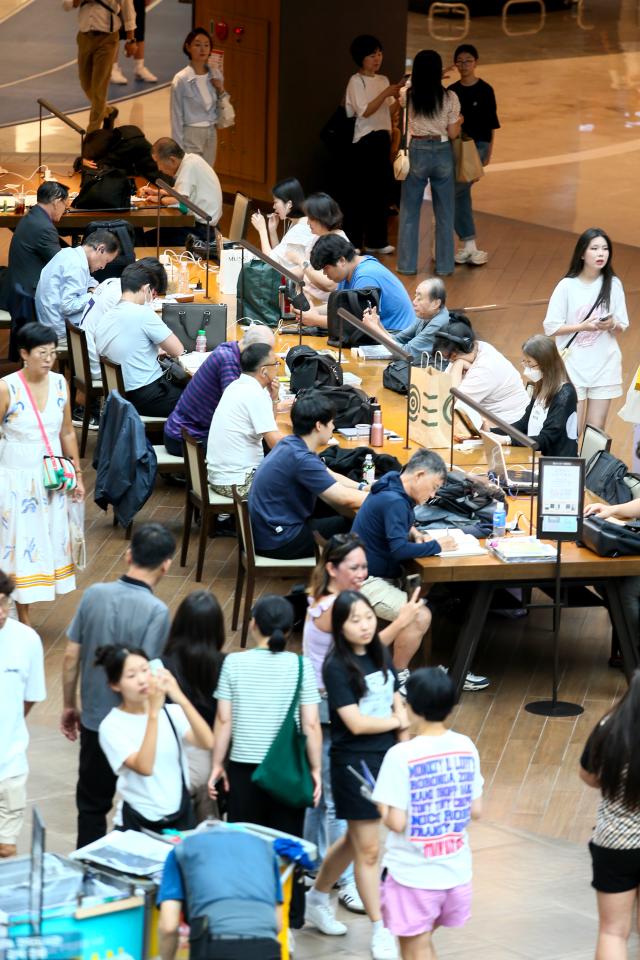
(35, 239)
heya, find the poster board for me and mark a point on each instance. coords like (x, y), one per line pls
(560, 498)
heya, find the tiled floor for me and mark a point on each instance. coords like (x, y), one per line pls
(565, 158)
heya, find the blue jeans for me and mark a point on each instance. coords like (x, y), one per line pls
(320, 824)
(430, 162)
(464, 223)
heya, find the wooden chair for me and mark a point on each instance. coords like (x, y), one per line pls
(251, 563)
(200, 497)
(113, 379)
(81, 378)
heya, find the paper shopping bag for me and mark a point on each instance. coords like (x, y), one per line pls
(467, 160)
(430, 405)
(231, 261)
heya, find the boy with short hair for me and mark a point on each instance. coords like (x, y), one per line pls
(427, 791)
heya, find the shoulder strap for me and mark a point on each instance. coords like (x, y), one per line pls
(179, 742)
(296, 697)
(584, 320)
(37, 413)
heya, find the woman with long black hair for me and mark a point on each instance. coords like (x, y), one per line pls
(585, 312)
(366, 713)
(611, 763)
(434, 120)
(194, 656)
(288, 209)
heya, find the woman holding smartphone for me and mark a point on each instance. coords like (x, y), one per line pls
(367, 714)
(586, 312)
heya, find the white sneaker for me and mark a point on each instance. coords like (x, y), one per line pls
(478, 257)
(117, 76)
(291, 942)
(475, 682)
(143, 73)
(383, 945)
(462, 255)
(350, 898)
(321, 916)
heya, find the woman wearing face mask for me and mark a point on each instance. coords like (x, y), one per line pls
(550, 417)
(367, 714)
(342, 566)
(288, 207)
(586, 311)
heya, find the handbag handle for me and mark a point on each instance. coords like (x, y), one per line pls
(204, 321)
(405, 127)
(37, 413)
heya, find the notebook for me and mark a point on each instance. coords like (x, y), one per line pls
(520, 480)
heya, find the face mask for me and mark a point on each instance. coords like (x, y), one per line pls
(533, 375)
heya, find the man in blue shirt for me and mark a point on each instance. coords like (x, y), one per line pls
(337, 259)
(289, 481)
(227, 881)
(65, 283)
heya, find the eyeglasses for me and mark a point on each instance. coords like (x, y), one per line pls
(464, 63)
(275, 363)
(45, 354)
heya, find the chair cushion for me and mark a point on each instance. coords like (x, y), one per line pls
(5, 318)
(270, 562)
(166, 459)
(149, 420)
(216, 499)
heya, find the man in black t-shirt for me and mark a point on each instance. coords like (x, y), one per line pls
(478, 107)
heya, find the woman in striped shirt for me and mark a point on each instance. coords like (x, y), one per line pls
(254, 693)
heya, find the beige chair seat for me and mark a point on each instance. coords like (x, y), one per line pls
(309, 562)
(152, 421)
(5, 320)
(216, 499)
(166, 459)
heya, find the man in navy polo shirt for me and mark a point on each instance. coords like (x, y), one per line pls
(337, 259)
(288, 483)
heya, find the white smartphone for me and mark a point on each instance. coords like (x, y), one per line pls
(155, 665)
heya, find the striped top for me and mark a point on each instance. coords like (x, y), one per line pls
(198, 401)
(260, 686)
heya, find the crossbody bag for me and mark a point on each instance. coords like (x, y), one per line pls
(565, 350)
(184, 817)
(58, 473)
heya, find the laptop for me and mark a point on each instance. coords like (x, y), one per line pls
(519, 480)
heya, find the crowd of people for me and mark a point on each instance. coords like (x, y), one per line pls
(171, 723)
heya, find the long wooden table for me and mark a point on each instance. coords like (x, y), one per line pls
(579, 567)
(139, 215)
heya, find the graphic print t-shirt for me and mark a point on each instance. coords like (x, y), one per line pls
(434, 779)
(377, 702)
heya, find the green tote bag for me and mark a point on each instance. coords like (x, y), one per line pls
(284, 773)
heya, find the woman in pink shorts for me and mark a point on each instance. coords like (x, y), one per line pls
(427, 791)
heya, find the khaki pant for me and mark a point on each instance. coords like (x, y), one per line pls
(201, 140)
(96, 53)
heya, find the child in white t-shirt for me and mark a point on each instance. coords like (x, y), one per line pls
(427, 791)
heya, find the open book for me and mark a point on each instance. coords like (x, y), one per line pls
(466, 544)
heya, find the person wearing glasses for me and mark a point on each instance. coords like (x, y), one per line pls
(244, 418)
(551, 417)
(35, 240)
(478, 105)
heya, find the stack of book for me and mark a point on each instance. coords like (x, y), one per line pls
(521, 549)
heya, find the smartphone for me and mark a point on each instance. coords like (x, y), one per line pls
(412, 581)
(155, 665)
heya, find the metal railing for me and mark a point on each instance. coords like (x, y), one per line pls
(196, 210)
(45, 105)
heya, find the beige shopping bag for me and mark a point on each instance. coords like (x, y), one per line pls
(467, 160)
(430, 405)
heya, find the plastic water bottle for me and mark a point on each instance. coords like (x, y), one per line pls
(183, 281)
(499, 521)
(201, 342)
(368, 470)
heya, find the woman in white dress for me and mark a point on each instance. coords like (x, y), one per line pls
(35, 546)
(586, 311)
(288, 207)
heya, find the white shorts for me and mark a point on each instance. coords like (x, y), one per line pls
(599, 393)
(386, 599)
(13, 800)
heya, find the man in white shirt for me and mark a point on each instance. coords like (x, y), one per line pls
(98, 37)
(65, 283)
(244, 418)
(195, 179)
(21, 685)
(131, 333)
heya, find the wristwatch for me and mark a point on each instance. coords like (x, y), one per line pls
(306, 264)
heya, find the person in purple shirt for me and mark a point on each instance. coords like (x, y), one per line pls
(195, 408)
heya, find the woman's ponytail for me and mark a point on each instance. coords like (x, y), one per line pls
(274, 618)
(277, 641)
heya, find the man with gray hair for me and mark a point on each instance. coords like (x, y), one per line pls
(431, 315)
(386, 525)
(197, 404)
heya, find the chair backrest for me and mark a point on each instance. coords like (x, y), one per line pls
(195, 463)
(78, 354)
(593, 440)
(243, 521)
(239, 217)
(112, 378)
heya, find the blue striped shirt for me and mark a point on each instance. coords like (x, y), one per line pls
(195, 408)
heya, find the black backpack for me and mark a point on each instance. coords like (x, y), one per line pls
(395, 376)
(106, 188)
(352, 404)
(349, 462)
(462, 501)
(126, 238)
(605, 477)
(356, 302)
(308, 368)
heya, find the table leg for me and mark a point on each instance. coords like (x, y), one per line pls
(628, 643)
(470, 634)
